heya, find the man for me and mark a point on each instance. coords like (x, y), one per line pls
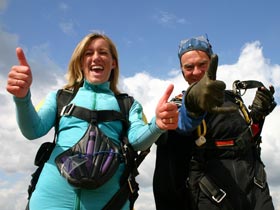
(226, 171)
(174, 149)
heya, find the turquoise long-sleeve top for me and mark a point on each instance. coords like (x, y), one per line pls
(52, 190)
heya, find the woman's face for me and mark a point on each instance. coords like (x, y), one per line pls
(97, 62)
(194, 65)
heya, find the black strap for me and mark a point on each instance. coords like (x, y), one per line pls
(211, 189)
(214, 192)
(260, 175)
(248, 84)
(244, 85)
(120, 198)
(128, 185)
(91, 116)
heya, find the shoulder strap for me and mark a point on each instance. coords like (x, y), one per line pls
(63, 97)
(125, 102)
(128, 185)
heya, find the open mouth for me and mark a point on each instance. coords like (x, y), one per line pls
(96, 68)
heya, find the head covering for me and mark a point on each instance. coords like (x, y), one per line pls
(195, 43)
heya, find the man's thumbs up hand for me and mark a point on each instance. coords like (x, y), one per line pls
(207, 95)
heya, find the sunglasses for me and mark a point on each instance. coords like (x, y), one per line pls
(198, 43)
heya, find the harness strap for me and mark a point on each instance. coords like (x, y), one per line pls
(120, 197)
(91, 116)
(248, 84)
(128, 186)
(260, 175)
(242, 141)
(210, 189)
(214, 192)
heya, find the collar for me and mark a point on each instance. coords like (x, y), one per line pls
(97, 88)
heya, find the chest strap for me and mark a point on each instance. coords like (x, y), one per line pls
(91, 116)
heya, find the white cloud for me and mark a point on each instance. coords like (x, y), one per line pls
(67, 27)
(17, 154)
(63, 6)
(168, 19)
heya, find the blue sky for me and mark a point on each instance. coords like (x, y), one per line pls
(245, 35)
(146, 33)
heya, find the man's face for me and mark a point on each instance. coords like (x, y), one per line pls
(194, 64)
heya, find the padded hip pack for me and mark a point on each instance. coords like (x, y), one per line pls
(91, 162)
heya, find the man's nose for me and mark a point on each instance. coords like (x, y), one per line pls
(197, 70)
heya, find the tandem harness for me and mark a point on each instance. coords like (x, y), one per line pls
(241, 143)
(128, 185)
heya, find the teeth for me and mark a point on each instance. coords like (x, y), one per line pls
(96, 68)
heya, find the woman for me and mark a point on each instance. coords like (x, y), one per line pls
(94, 64)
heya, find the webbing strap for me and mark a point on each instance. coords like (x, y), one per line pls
(244, 85)
(91, 116)
(260, 175)
(210, 189)
(120, 197)
(248, 84)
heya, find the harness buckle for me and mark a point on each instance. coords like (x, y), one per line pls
(220, 196)
(259, 183)
(130, 184)
(67, 110)
(251, 131)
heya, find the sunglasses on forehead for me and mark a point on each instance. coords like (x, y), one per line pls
(198, 43)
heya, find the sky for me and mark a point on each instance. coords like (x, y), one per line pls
(244, 34)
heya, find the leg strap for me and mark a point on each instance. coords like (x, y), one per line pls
(260, 175)
(128, 191)
(214, 192)
(210, 189)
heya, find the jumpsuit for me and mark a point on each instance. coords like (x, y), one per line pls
(52, 191)
(224, 170)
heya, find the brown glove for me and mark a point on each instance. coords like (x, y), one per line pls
(207, 94)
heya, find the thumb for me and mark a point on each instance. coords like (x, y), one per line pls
(21, 57)
(166, 95)
(271, 89)
(212, 70)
